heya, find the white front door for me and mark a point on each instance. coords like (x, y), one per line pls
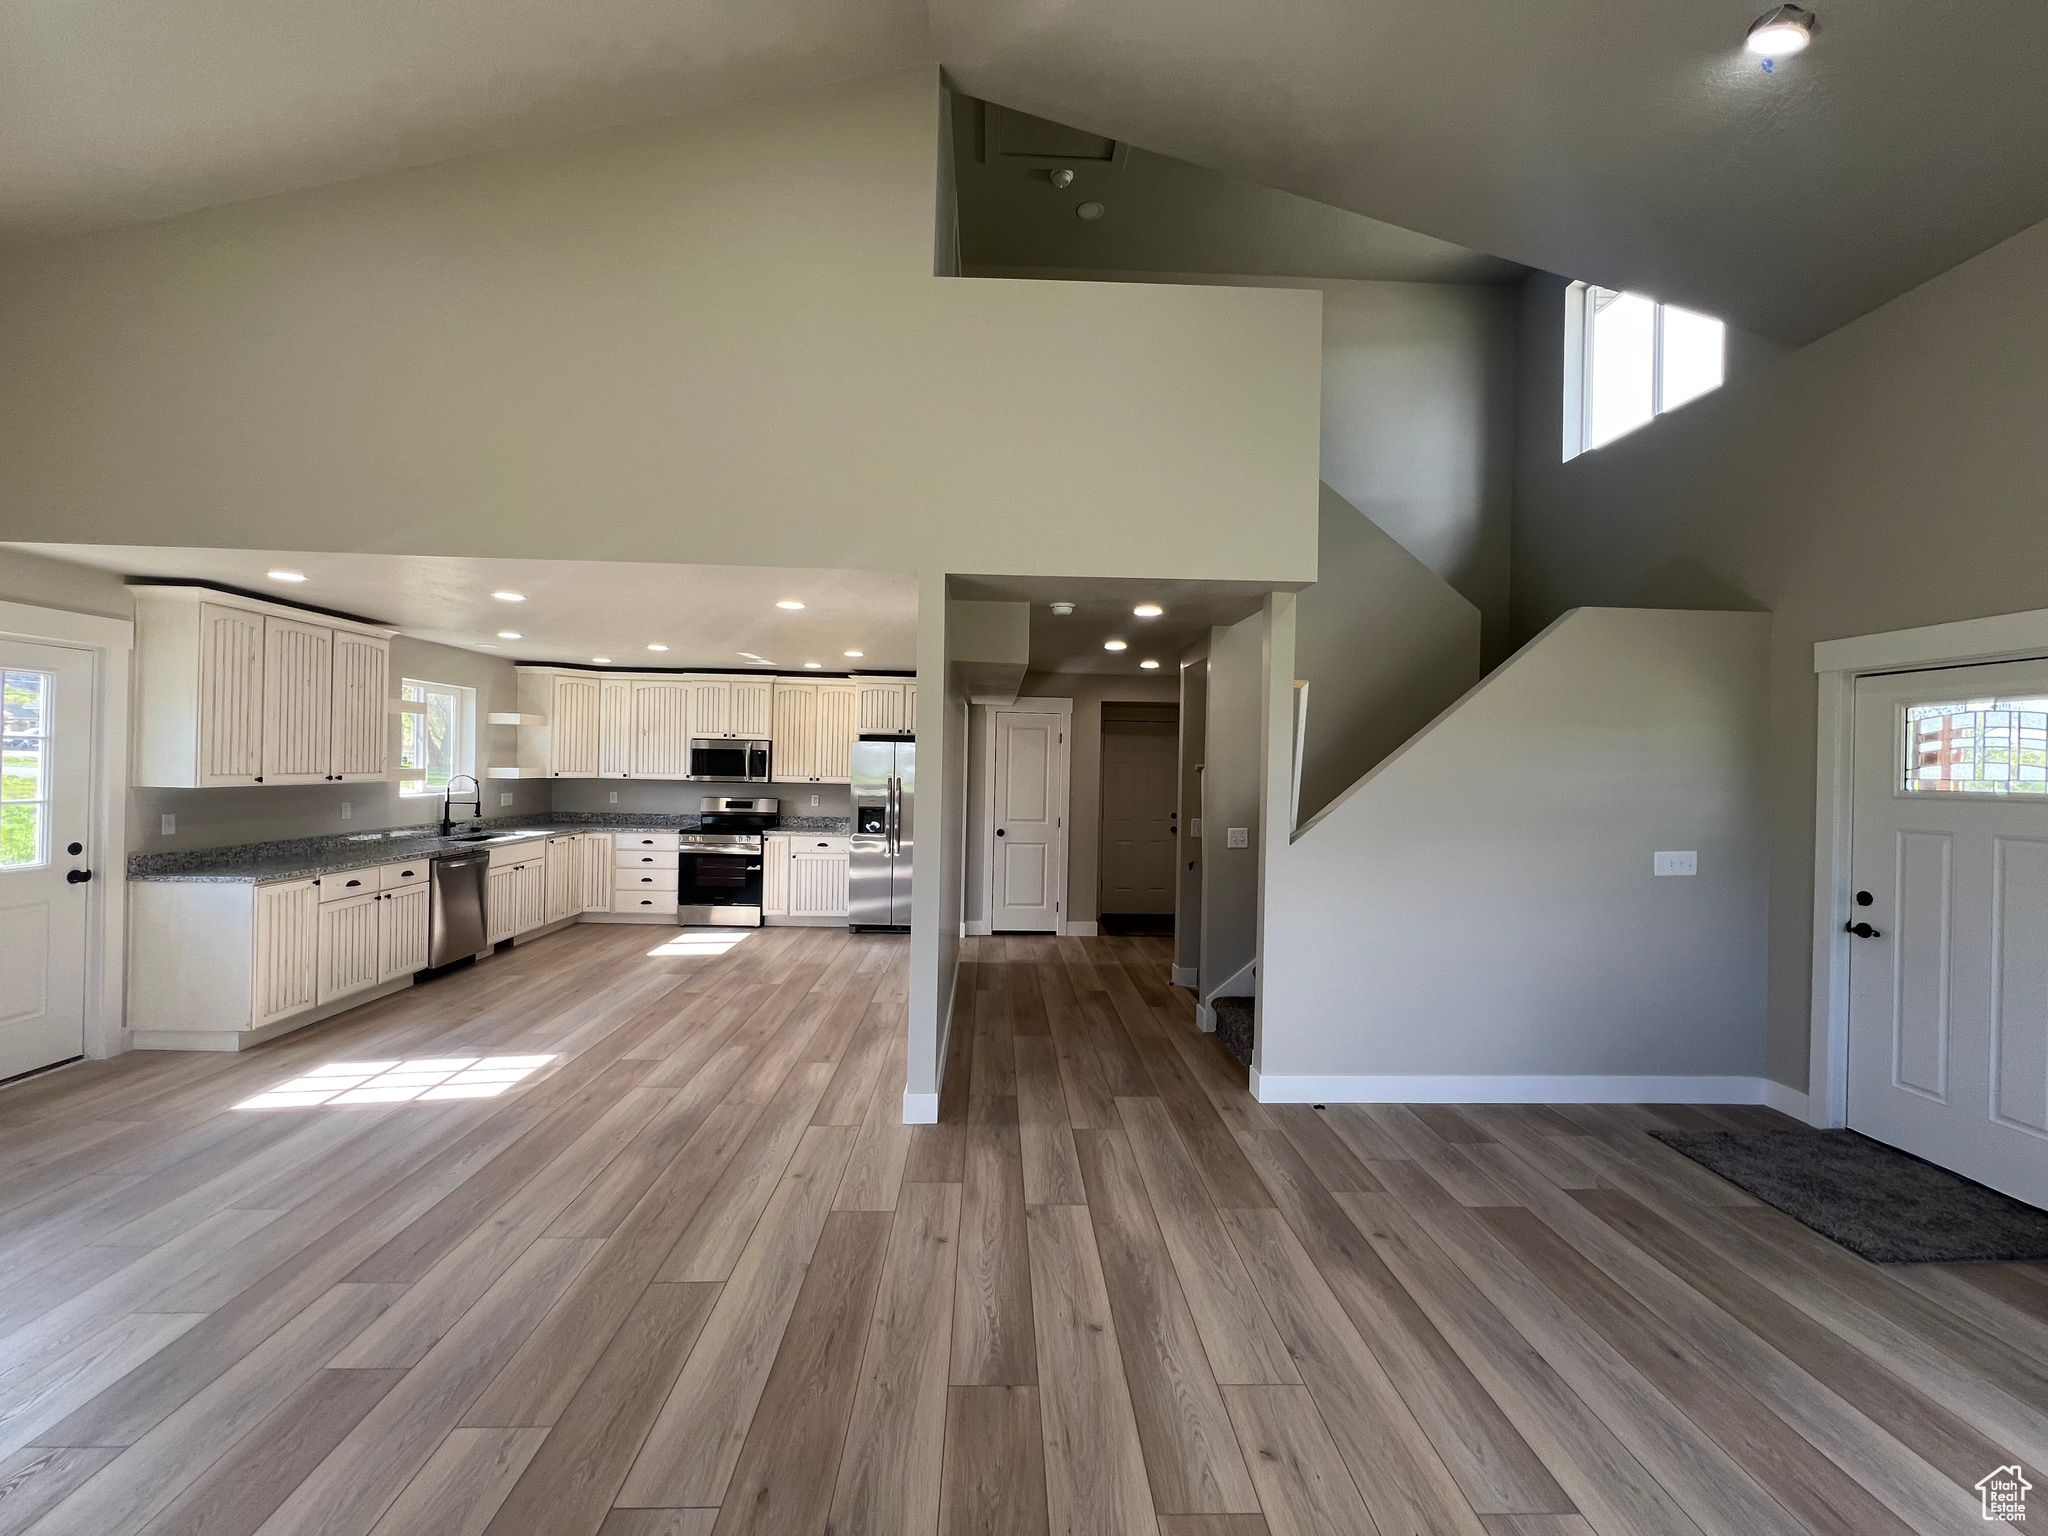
(1030, 769)
(1948, 966)
(46, 727)
(1139, 798)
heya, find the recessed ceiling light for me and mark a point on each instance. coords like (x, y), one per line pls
(510, 597)
(657, 647)
(812, 666)
(1149, 666)
(510, 634)
(855, 654)
(1089, 211)
(1113, 645)
(789, 602)
(286, 575)
(1148, 610)
(1781, 32)
(601, 660)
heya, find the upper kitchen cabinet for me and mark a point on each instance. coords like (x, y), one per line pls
(881, 706)
(838, 709)
(753, 708)
(661, 728)
(813, 732)
(237, 690)
(615, 729)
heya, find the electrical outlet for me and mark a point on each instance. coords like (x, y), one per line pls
(814, 799)
(505, 797)
(1675, 864)
(1237, 837)
(614, 797)
(348, 810)
(170, 823)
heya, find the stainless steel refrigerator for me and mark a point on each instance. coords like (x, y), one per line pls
(884, 798)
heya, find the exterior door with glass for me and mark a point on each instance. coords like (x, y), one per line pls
(46, 725)
(1948, 963)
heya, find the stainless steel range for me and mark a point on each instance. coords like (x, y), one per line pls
(718, 867)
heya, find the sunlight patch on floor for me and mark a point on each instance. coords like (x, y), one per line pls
(696, 942)
(399, 1082)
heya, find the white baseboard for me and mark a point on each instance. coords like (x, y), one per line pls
(1184, 975)
(975, 928)
(1205, 1018)
(920, 1108)
(242, 1039)
(1269, 1088)
(1077, 930)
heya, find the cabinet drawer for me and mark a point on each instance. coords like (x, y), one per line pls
(641, 858)
(801, 842)
(645, 840)
(519, 853)
(397, 877)
(646, 880)
(645, 901)
(349, 882)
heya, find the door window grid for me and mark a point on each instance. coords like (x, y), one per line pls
(25, 711)
(1977, 747)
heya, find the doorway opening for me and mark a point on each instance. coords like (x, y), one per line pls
(1140, 817)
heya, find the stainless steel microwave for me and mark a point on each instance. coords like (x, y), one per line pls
(728, 760)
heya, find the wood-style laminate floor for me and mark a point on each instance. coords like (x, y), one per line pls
(690, 1275)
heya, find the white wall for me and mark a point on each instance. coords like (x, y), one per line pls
(1889, 475)
(1384, 644)
(1482, 905)
(1231, 781)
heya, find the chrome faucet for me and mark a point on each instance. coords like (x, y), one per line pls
(476, 802)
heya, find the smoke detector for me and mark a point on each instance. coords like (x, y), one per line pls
(1064, 610)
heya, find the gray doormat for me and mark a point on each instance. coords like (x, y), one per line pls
(1874, 1200)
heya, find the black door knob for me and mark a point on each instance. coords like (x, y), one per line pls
(78, 877)
(1861, 930)
(999, 831)
(75, 849)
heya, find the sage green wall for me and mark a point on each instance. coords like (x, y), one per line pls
(1889, 475)
(27, 578)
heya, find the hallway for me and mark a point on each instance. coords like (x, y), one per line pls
(592, 1239)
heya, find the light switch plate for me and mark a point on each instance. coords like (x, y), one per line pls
(615, 797)
(348, 810)
(1194, 826)
(505, 797)
(1237, 837)
(170, 823)
(1675, 863)
(814, 799)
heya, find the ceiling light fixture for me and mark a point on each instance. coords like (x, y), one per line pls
(286, 575)
(855, 654)
(1149, 666)
(1781, 32)
(1114, 645)
(510, 597)
(1089, 211)
(1062, 609)
(510, 634)
(1148, 610)
(657, 647)
(812, 666)
(602, 661)
(789, 603)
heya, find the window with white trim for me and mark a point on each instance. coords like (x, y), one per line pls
(438, 741)
(1628, 359)
(25, 768)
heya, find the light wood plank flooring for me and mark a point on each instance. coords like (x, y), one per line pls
(689, 1275)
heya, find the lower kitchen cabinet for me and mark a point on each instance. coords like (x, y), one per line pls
(804, 876)
(402, 938)
(596, 890)
(564, 863)
(775, 875)
(516, 894)
(287, 946)
(348, 946)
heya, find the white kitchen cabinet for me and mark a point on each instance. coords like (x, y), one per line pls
(753, 707)
(574, 726)
(595, 892)
(910, 707)
(298, 701)
(775, 875)
(516, 891)
(501, 903)
(880, 706)
(230, 696)
(838, 717)
(563, 863)
(710, 705)
(402, 917)
(794, 733)
(359, 712)
(287, 951)
(817, 878)
(614, 728)
(348, 944)
(661, 728)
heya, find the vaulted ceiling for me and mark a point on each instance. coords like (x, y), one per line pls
(1631, 144)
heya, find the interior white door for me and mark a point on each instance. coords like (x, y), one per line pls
(46, 735)
(1139, 798)
(1030, 767)
(1948, 966)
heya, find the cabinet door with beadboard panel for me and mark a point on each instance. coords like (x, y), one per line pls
(595, 892)
(881, 706)
(348, 946)
(910, 707)
(710, 706)
(574, 727)
(564, 867)
(661, 730)
(794, 733)
(501, 902)
(230, 726)
(402, 931)
(533, 893)
(817, 882)
(614, 729)
(298, 701)
(775, 875)
(287, 923)
(752, 706)
(837, 725)
(359, 730)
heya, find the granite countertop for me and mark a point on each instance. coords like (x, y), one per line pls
(302, 857)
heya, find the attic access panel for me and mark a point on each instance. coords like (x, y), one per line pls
(1009, 137)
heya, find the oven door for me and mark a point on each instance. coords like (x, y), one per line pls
(727, 761)
(721, 889)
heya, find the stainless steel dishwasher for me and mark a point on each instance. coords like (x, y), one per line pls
(456, 928)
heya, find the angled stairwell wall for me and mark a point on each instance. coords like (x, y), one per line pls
(1477, 918)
